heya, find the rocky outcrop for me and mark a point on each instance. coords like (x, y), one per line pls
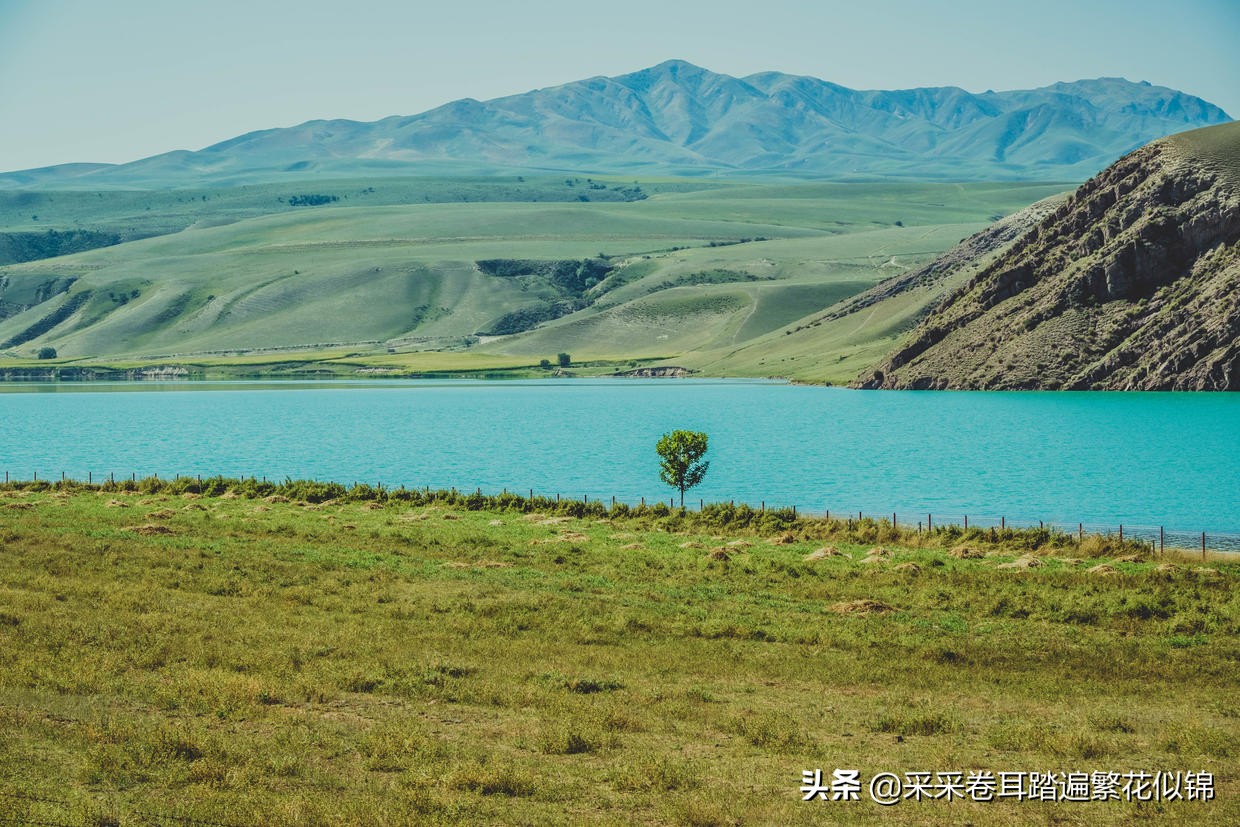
(1132, 284)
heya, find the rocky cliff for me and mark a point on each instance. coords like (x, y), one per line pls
(1132, 284)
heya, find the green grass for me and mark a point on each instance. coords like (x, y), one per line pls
(260, 661)
(385, 270)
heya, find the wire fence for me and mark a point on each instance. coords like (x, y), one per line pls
(1158, 537)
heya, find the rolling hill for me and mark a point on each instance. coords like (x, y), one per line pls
(679, 119)
(1132, 284)
(518, 281)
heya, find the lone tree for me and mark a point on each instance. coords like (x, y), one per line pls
(564, 359)
(680, 460)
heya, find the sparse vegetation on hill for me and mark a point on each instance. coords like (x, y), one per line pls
(1131, 284)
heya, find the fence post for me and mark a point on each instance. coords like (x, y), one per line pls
(643, 502)
(1121, 532)
(1203, 546)
(90, 478)
(1160, 539)
(893, 519)
(36, 476)
(794, 512)
(828, 517)
(1002, 523)
(966, 522)
(929, 522)
(1080, 532)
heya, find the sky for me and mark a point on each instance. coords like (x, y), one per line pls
(83, 80)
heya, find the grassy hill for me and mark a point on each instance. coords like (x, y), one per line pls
(684, 269)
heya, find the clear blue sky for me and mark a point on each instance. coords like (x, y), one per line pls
(89, 80)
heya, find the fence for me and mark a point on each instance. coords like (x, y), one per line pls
(1159, 537)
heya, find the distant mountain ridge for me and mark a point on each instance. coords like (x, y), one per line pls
(680, 119)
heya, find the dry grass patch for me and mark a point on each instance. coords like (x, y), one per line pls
(862, 606)
(1022, 563)
(149, 530)
(967, 553)
(823, 553)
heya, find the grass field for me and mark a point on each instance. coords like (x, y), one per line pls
(695, 269)
(252, 661)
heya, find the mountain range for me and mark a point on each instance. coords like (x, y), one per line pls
(679, 119)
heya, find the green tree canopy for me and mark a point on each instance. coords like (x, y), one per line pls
(680, 460)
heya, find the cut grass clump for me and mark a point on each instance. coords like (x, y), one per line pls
(910, 722)
(782, 733)
(662, 773)
(571, 739)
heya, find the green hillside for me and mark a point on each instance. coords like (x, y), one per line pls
(682, 270)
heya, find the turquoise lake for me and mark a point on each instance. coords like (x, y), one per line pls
(1099, 458)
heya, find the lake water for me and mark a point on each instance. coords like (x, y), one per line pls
(1098, 458)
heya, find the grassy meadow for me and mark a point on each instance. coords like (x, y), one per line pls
(310, 655)
(695, 271)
